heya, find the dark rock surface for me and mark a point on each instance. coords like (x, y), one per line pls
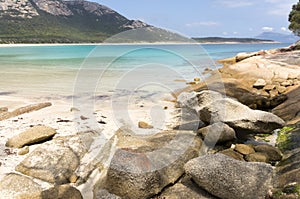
(147, 165)
(235, 180)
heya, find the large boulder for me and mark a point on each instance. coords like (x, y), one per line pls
(235, 114)
(57, 160)
(143, 165)
(33, 135)
(289, 110)
(227, 178)
(18, 186)
(22, 187)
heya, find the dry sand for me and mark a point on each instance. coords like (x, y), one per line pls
(67, 122)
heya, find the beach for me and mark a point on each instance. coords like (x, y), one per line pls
(136, 120)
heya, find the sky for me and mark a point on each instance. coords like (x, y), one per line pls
(202, 18)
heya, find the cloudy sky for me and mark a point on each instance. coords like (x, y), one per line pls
(238, 18)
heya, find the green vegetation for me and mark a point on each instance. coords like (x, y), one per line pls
(294, 19)
(233, 40)
(47, 28)
(283, 137)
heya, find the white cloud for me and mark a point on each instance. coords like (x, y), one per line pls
(273, 1)
(268, 29)
(225, 33)
(279, 7)
(235, 33)
(202, 23)
(234, 3)
(283, 29)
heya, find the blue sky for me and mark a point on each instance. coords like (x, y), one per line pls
(237, 18)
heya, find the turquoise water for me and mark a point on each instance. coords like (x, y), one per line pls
(63, 70)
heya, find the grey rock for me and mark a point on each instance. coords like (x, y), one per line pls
(244, 149)
(257, 157)
(31, 136)
(17, 186)
(62, 192)
(237, 115)
(241, 56)
(217, 133)
(186, 188)
(25, 8)
(233, 154)
(53, 7)
(273, 153)
(56, 161)
(143, 166)
(228, 178)
(104, 194)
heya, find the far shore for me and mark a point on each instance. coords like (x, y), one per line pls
(137, 43)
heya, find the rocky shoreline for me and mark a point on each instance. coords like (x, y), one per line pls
(237, 136)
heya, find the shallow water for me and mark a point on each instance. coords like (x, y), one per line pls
(64, 71)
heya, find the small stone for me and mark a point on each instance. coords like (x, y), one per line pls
(73, 109)
(165, 108)
(244, 149)
(281, 89)
(191, 83)
(260, 83)
(269, 87)
(83, 117)
(257, 157)
(233, 154)
(197, 79)
(273, 93)
(73, 178)
(287, 83)
(144, 125)
(24, 150)
(3, 109)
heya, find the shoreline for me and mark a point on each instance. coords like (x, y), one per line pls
(157, 43)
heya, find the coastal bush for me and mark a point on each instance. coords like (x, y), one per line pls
(294, 19)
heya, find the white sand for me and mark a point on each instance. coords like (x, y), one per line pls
(60, 110)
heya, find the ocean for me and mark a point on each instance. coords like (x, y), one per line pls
(105, 70)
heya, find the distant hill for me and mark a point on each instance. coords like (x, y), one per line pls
(231, 40)
(282, 38)
(67, 21)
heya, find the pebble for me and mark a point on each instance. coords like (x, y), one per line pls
(24, 150)
(260, 83)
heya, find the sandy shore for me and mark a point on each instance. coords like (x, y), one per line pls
(139, 43)
(68, 122)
